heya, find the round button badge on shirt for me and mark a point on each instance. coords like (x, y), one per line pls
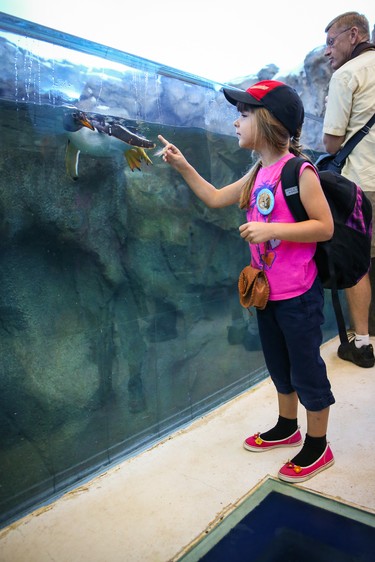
(265, 201)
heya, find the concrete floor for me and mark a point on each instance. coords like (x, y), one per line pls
(151, 506)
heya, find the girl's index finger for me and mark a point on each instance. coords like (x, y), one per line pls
(163, 140)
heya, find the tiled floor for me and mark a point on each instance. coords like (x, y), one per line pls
(151, 506)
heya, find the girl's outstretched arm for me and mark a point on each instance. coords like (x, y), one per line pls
(209, 194)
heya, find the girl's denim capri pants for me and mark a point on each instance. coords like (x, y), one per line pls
(291, 336)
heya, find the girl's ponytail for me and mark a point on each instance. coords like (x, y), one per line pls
(248, 186)
(295, 146)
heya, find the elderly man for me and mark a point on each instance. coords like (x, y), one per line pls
(350, 104)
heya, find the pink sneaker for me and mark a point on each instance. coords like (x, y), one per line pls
(257, 444)
(291, 472)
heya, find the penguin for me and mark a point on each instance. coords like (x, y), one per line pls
(101, 136)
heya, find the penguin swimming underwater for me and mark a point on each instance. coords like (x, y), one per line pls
(101, 135)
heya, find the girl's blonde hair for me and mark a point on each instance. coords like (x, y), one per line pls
(278, 137)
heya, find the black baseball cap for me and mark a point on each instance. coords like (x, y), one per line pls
(280, 99)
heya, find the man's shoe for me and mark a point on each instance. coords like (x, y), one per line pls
(361, 356)
(291, 472)
(256, 444)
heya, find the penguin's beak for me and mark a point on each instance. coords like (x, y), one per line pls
(82, 119)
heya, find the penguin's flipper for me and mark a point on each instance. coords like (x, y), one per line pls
(134, 157)
(71, 160)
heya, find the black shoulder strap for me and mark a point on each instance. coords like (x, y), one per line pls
(342, 154)
(290, 186)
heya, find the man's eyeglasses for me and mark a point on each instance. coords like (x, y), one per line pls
(331, 40)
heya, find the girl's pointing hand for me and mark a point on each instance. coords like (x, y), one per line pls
(172, 155)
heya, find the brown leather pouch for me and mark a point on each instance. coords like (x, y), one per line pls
(253, 288)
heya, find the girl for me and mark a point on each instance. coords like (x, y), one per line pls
(270, 122)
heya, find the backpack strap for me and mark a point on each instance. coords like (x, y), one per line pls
(290, 185)
(343, 334)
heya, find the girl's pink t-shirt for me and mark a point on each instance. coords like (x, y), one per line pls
(289, 266)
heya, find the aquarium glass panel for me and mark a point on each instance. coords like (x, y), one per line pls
(119, 313)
